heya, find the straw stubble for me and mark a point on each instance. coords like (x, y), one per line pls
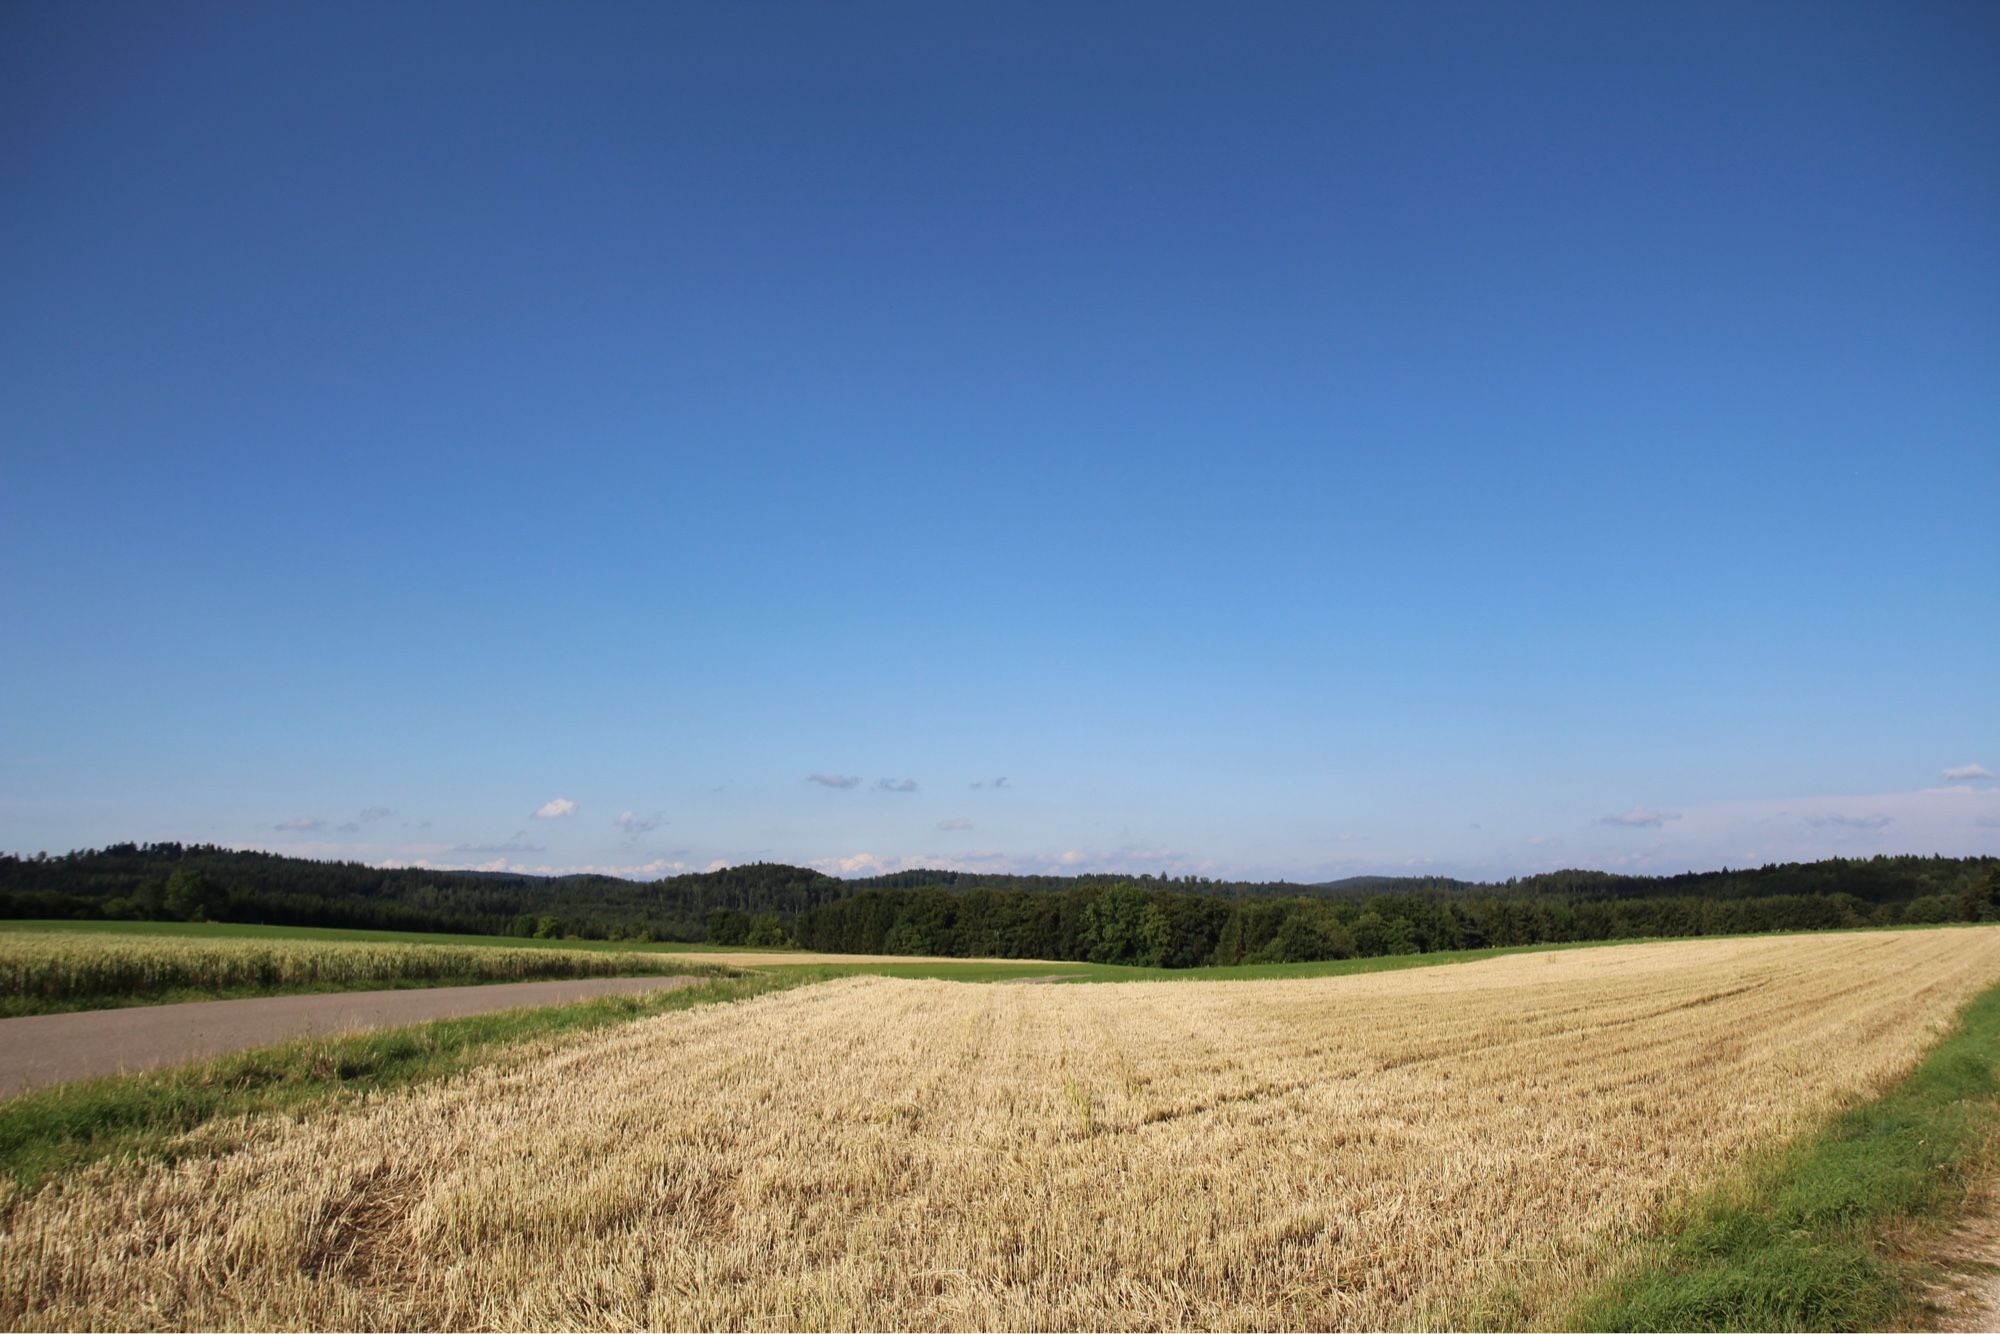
(1368, 1151)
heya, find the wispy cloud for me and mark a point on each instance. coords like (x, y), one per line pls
(556, 809)
(834, 780)
(299, 825)
(367, 817)
(1129, 860)
(1965, 773)
(1638, 818)
(991, 782)
(1877, 821)
(635, 824)
(955, 824)
(510, 847)
(895, 785)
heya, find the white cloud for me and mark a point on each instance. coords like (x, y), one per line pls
(1875, 821)
(869, 863)
(1965, 773)
(635, 824)
(954, 824)
(299, 825)
(1638, 818)
(896, 785)
(834, 780)
(1942, 820)
(556, 810)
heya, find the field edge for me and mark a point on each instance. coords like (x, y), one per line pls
(1838, 1229)
(49, 1132)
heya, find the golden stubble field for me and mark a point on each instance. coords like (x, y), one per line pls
(1380, 1150)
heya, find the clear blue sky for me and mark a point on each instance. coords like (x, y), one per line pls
(1277, 440)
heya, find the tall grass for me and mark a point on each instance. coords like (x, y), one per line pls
(41, 972)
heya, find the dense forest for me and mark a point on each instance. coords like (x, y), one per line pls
(171, 880)
(1182, 922)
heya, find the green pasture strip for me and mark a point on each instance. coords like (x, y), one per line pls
(681, 947)
(1059, 971)
(1816, 1235)
(1070, 970)
(51, 1131)
(969, 970)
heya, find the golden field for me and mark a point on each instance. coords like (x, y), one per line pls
(1378, 1150)
(61, 966)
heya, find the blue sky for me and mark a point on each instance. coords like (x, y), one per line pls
(1276, 440)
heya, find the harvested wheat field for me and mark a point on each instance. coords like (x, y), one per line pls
(1381, 1150)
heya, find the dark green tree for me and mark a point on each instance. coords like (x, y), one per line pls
(187, 895)
(1123, 925)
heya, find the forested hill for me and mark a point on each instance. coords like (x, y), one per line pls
(773, 903)
(171, 880)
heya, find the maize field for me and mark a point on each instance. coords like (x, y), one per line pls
(56, 969)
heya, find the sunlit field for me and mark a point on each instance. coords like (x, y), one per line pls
(1382, 1150)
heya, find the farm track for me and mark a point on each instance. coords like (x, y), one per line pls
(1391, 1150)
(55, 1048)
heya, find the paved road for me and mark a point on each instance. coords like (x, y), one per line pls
(50, 1048)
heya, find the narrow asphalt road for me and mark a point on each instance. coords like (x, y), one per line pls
(51, 1048)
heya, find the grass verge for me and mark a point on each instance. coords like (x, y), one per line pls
(1817, 1235)
(50, 1131)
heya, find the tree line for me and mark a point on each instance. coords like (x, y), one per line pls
(132, 881)
(1133, 924)
(1178, 921)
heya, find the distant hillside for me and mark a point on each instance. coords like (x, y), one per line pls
(763, 901)
(130, 880)
(1383, 884)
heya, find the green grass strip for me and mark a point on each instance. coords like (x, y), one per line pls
(1072, 971)
(47, 1132)
(1801, 1238)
